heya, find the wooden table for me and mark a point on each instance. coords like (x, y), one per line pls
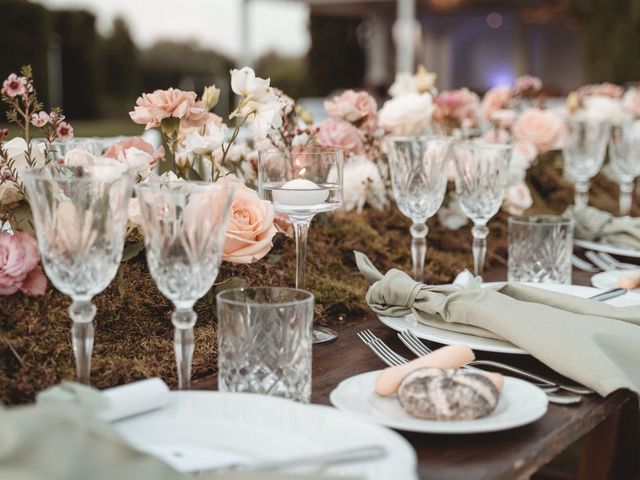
(610, 426)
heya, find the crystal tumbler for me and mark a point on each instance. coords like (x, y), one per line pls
(264, 341)
(540, 249)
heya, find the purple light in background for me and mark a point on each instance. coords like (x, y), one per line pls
(494, 20)
(500, 76)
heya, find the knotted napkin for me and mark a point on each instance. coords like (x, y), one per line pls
(595, 225)
(593, 343)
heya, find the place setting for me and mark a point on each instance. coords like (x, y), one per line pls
(343, 255)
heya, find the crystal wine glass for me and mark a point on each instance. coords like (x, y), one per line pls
(80, 216)
(624, 154)
(583, 152)
(482, 172)
(302, 183)
(419, 182)
(183, 224)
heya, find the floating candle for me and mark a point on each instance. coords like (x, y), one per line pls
(300, 192)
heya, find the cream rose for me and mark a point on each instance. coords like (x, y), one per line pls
(542, 128)
(407, 114)
(250, 229)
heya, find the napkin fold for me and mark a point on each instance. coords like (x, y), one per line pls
(111, 404)
(591, 342)
(595, 225)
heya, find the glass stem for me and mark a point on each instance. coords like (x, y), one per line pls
(183, 320)
(301, 228)
(419, 232)
(581, 194)
(82, 312)
(626, 197)
(479, 248)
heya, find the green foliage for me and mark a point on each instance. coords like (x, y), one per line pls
(289, 74)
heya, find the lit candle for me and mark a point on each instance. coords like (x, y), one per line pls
(300, 192)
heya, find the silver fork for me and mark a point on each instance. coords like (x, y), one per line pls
(583, 264)
(392, 359)
(420, 349)
(614, 262)
(599, 262)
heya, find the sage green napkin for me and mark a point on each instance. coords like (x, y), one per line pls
(595, 225)
(593, 343)
(62, 441)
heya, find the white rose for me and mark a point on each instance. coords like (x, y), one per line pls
(204, 143)
(137, 161)
(407, 114)
(604, 109)
(404, 84)
(245, 83)
(16, 150)
(78, 157)
(517, 198)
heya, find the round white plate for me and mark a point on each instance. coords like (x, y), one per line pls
(607, 248)
(445, 337)
(200, 430)
(609, 279)
(520, 403)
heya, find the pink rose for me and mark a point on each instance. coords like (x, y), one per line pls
(359, 108)
(19, 269)
(542, 128)
(152, 108)
(336, 133)
(527, 86)
(119, 148)
(495, 99)
(602, 89)
(64, 131)
(517, 199)
(14, 86)
(250, 227)
(456, 105)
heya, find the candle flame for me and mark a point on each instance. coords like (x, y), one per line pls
(302, 172)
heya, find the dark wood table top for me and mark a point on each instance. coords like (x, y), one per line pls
(511, 454)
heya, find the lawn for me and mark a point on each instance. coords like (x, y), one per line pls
(95, 128)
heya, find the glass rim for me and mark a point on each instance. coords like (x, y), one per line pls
(311, 151)
(196, 186)
(483, 145)
(425, 136)
(39, 173)
(543, 220)
(307, 296)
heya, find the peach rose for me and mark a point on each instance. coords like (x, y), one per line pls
(250, 228)
(354, 107)
(542, 128)
(118, 148)
(336, 133)
(152, 108)
(517, 198)
(19, 269)
(495, 99)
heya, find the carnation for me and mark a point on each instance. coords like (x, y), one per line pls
(152, 108)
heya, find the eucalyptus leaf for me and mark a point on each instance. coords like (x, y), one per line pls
(22, 218)
(132, 250)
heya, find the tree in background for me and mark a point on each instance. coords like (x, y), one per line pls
(611, 38)
(120, 70)
(336, 58)
(81, 80)
(26, 30)
(289, 74)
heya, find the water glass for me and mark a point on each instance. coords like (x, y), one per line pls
(540, 249)
(419, 183)
(183, 225)
(482, 173)
(80, 216)
(60, 148)
(584, 150)
(624, 154)
(264, 341)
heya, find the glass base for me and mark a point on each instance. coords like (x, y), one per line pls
(323, 335)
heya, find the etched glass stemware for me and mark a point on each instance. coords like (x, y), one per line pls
(482, 172)
(584, 150)
(419, 182)
(183, 225)
(80, 216)
(302, 183)
(624, 154)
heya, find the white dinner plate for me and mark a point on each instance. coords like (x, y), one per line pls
(607, 248)
(446, 337)
(200, 430)
(609, 279)
(520, 403)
